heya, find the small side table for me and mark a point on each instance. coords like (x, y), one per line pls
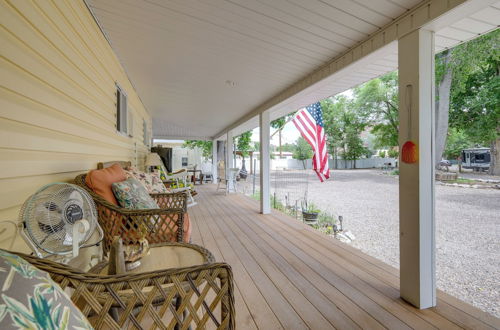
(163, 256)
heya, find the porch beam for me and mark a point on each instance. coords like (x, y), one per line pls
(214, 162)
(416, 180)
(265, 159)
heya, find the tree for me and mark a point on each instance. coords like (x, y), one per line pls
(354, 146)
(205, 146)
(279, 124)
(333, 113)
(288, 147)
(377, 102)
(457, 140)
(474, 95)
(444, 77)
(303, 151)
(393, 153)
(343, 126)
(244, 145)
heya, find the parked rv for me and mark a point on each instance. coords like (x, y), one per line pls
(476, 158)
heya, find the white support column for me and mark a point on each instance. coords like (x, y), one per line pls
(265, 159)
(214, 162)
(416, 180)
(229, 150)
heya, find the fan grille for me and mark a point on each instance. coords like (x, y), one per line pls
(49, 214)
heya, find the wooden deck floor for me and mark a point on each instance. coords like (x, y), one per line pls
(289, 276)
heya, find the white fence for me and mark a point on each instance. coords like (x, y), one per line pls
(294, 164)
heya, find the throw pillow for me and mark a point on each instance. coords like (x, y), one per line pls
(100, 181)
(30, 299)
(151, 181)
(131, 194)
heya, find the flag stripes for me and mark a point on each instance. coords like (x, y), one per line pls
(309, 122)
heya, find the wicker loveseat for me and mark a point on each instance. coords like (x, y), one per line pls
(165, 224)
(151, 299)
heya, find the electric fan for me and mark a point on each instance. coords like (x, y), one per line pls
(59, 219)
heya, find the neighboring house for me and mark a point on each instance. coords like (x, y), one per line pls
(181, 157)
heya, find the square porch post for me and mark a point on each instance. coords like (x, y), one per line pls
(265, 182)
(416, 180)
(214, 162)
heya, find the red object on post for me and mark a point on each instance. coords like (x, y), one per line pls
(409, 152)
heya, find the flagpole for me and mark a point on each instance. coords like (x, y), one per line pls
(286, 122)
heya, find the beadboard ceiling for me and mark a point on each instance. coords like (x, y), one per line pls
(199, 66)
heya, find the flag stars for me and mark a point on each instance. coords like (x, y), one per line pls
(316, 113)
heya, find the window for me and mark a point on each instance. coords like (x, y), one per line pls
(184, 161)
(121, 110)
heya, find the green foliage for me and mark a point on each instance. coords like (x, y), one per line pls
(244, 143)
(205, 146)
(302, 151)
(355, 148)
(457, 141)
(376, 101)
(475, 91)
(393, 153)
(311, 208)
(382, 154)
(288, 147)
(343, 126)
(279, 123)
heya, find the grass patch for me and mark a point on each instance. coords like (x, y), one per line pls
(462, 181)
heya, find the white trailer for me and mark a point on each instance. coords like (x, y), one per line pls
(476, 158)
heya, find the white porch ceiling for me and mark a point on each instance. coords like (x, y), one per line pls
(200, 66)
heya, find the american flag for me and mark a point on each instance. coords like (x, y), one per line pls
(309, 122)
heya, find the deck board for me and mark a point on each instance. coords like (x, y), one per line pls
(289, 276)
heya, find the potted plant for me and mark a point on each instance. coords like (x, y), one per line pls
(310, 213)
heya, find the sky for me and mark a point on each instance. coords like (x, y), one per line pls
(290, 134)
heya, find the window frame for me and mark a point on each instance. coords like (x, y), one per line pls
(121, 111)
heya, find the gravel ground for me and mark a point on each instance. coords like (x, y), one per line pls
(467, 227)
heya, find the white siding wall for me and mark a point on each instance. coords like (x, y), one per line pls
(57, 99)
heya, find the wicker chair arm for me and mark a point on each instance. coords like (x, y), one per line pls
(171, 200)
(141, 298)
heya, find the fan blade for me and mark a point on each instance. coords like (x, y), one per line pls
(76, 197)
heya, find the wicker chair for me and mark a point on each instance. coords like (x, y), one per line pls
(165, 224)
(147, 300)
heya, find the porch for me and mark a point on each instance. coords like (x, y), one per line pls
(287, 275)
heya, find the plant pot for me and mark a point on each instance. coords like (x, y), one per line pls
(310, 218)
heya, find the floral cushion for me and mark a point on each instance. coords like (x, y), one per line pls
(151, 181)
(30, 299)
(131, 194)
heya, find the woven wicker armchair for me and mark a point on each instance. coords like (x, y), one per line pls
(165, 224)
(202, 296)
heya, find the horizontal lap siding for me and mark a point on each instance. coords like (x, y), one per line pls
(57, 99)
